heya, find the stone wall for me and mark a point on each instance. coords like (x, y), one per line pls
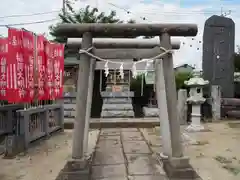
(69, 106)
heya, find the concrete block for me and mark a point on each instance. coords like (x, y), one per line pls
(150, 112)
(14, 145)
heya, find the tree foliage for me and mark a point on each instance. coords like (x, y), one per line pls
(84, 15)
(237, 60)
(137, 84)
(180, 77)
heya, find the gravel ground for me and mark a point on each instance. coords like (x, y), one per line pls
(44, 161)
(213, 154)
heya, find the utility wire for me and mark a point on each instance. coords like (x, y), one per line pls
(26, 15)
(116, 6)
(28, 23)
(172, 13)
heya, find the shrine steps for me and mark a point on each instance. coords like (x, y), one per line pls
(117, 104)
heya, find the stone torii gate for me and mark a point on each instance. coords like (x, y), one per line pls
(116, 49)
(173, 158)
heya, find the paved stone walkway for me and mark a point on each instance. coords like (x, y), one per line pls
(123, 154)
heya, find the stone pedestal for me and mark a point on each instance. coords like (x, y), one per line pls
(178, 167)
(182, 106)
(195, 125)
(75, 169)
(216, 102)
(117, 104)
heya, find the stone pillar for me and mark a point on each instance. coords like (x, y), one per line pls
(182, 106)
(216, 102)
(162, 108)
(82, 93)
(89, 103)
(174, 163)
(171, 97)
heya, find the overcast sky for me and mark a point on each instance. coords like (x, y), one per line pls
(154, 11)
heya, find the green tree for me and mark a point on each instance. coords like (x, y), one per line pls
(137, 84)
(83, 15)
(180, 77)
(237, 60)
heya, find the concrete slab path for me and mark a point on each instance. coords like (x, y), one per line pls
(124, 154)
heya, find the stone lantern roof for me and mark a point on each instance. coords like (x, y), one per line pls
(196, 80)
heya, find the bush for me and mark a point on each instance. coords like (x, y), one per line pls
(180, 77)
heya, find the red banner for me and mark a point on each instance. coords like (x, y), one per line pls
(58, 70)
(3, 69)
(49, 50)
(16, 65)
(28, 49)
(21, 65)
(41, 68)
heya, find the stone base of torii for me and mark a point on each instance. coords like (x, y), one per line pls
(174, 162)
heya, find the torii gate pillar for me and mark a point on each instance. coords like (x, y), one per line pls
(82, 87)
(174, 162)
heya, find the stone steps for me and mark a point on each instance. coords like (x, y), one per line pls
(117, 107)
(126, 94)
(117, 104)
(117, 101)
(117, 113)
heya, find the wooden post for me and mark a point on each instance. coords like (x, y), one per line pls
(216, 102)
(89, 103)
(82, 93)
(182, 106)
(171, 97)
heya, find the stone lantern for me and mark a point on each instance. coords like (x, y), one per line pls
(196, 98)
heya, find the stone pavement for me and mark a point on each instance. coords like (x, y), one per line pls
(124, 154)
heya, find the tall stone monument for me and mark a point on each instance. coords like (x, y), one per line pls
(218, 53)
